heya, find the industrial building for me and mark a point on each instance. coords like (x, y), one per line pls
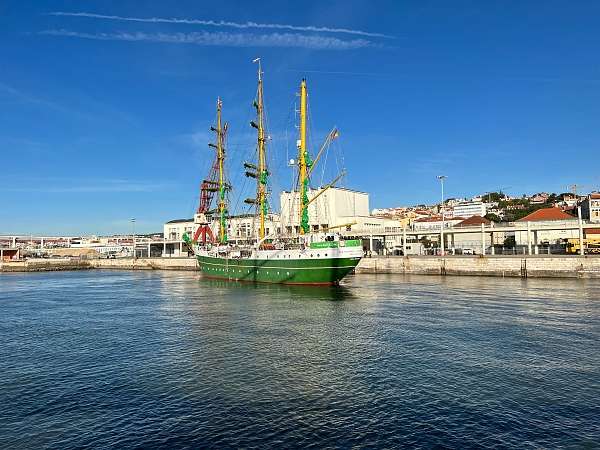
(333, 207)
(239, 228)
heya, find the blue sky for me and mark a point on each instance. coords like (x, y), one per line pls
(105, 106)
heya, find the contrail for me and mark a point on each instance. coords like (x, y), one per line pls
(223, 39)
(222, 23)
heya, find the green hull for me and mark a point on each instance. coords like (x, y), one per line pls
(294, 271)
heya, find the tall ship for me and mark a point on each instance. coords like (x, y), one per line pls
(306, 257)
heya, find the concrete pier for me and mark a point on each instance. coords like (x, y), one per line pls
(500, 266)
(46, 265)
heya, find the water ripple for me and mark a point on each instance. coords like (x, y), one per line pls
(168, 360)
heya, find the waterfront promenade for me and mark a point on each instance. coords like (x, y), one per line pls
(524, 266)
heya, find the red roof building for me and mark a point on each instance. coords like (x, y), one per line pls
(434, 223)
(547, 214)
(474, 221)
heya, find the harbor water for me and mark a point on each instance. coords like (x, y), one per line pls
(150, 359)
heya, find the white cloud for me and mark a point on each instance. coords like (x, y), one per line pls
(222, 39)
(31, 99)
(223, 23)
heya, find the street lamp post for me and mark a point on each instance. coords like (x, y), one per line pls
(581, 239)
(133, 238)
(442, 178)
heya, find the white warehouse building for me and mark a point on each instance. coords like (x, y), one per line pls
(469, 209)
(332, 208)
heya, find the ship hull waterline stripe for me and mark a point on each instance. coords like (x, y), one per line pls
(276, 267)
(245, 280)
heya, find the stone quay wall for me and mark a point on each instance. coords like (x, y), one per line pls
(146, 264)
(501, 266)
(47, 265)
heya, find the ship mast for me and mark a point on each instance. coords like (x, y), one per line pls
(220, 131)
(304, 163)
(261, 173)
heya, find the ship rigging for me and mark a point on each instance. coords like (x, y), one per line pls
(311, 257)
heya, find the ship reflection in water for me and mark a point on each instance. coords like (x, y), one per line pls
(295, 292)
(168, 359)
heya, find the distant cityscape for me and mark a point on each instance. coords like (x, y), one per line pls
(490, 223)
(496, 207)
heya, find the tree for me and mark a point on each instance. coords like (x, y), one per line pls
(425, 241)
(492, 217)
(494, 196)
(510, 242)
